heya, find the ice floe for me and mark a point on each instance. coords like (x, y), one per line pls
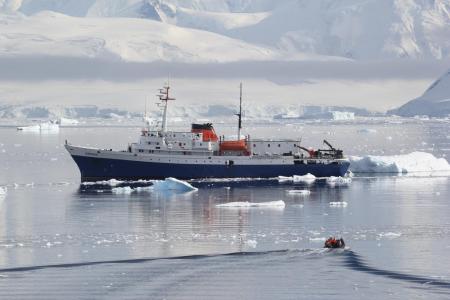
(299, 192)
(415, 162)
(308, 178)
(173, 184)
(338, 204)
(246, 204)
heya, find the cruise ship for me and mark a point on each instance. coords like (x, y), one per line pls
(200, 153)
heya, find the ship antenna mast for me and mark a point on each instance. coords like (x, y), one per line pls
(164, 98)
(240, 113)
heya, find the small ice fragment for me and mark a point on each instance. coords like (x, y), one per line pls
(390, 235)
(308, 178)
(122, 190)
(111, 182)
(274, 204)
(251, 243)
(338, 180)
(299, 192)
(338, 204)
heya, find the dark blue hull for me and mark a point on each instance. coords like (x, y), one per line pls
(94, 168)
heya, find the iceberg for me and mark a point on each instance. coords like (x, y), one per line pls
(173, 184)
(416, 162)
(3, 191)
(246, 204)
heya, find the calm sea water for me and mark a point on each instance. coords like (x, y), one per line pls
(60, 240)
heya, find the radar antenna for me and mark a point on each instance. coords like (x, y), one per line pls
(164, 98)
(240, 113)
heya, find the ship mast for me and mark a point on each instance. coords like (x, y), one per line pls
(164, 98)
(240, 113)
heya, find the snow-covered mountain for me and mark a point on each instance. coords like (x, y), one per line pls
(356, 29)
(435, 102)
(136, 40)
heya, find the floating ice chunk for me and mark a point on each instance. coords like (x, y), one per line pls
(284, 178)
(111, 182)
(390, 235)
(3, 190)
(122, 190)
(415, 162)
(308, 178)
(275, 204)
(251, 243)
(338, 204)
(173, 184)
(299, 192)
(333, 181)
(143, 189)
(127, 190)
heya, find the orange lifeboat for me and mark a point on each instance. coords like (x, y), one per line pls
(240, 145)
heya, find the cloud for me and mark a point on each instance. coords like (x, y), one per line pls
(26, 68)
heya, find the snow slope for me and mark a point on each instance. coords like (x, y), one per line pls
(435, 102)
(356, 29)
(136, 40)
(372, 29)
